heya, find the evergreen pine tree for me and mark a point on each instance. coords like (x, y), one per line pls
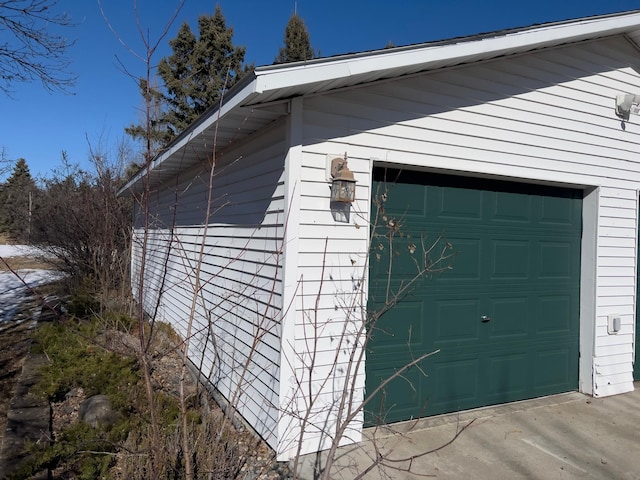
(297, 42)
(195, 76)
(18, 199)
(159, 134)
(177, 73)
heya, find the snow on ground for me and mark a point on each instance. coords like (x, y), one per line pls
(13, 289)
(7, 251)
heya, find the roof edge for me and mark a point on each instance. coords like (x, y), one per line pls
(238, 94)
(455, 50)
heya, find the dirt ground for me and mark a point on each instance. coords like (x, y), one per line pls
(22, 263)
(15, 336)
(15, 340)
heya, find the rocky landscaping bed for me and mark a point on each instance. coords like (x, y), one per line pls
(91, 358)
(71, 421)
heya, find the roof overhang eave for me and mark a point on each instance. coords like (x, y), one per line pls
(234, 99)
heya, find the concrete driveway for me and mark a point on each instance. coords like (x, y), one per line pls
(568, 436)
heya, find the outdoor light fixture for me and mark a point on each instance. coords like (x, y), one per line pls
(343, 184)
(626, 103)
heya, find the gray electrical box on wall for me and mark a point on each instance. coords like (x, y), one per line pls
(613, 323)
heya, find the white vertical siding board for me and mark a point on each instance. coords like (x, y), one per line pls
(619, 359)
(620, 338)
(619, 221)
(636, 307)
(617, 251)
(615, 301)
(616, 271)
(617, 378)
(627, 242)
(614, 370)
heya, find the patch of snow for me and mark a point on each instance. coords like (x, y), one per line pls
(8, 251)
(13, 290)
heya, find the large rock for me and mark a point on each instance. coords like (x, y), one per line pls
(97, 410)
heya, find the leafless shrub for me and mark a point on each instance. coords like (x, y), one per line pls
(211, 460)
(81, 225)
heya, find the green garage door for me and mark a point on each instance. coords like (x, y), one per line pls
(505, 318)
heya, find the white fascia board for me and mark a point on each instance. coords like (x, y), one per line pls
(237, 99)
(209, 121)
(474, 49)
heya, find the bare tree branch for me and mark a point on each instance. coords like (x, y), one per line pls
(30, 48)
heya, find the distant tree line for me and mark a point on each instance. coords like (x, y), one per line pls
(75, 217)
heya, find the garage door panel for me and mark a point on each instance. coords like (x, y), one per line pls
(556, 260)
(555, 313)
(455, 384)
(456, 320)
(507, 208)
(402, 398)
(401, 329)
(557, 367)
(404, 256)
(559, 211)
(511, 259)
(509, 317)
(403, 200)
(506, 380)
(467, 263)
(458, 203)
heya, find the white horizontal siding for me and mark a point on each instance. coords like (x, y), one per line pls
(328, 304)
(544, 117)
(619, 298)
(236, 326)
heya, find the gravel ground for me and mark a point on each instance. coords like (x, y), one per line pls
(15, 340)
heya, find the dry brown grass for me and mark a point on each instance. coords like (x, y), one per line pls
(5, 239)
(24, 263)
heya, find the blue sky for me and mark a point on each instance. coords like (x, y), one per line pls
(37, 125)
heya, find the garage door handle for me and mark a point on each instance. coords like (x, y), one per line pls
(485, 319)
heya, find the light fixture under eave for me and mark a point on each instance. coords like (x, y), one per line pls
(626, 103)
(343, 184)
